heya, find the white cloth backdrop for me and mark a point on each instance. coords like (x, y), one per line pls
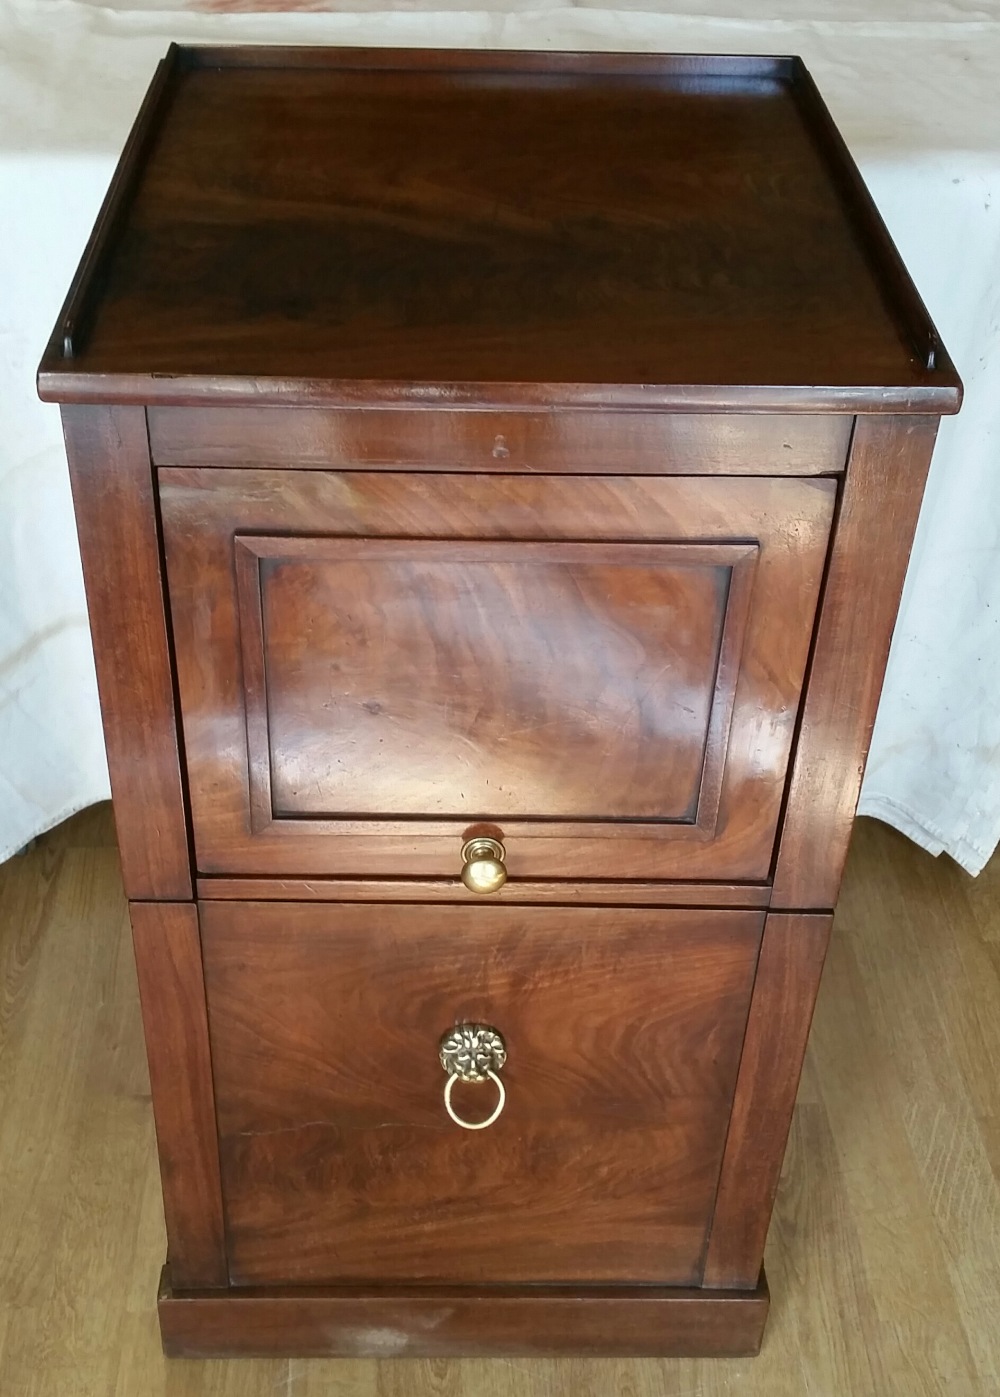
(914, 87)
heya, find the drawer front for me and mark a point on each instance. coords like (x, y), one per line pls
(623, 1030)
(603, 673)
(576, 442)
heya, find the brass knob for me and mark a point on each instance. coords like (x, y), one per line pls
(483, 869)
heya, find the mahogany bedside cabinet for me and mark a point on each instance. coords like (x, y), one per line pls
(495, 476)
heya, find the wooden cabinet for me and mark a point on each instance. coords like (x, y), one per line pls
(495, 477)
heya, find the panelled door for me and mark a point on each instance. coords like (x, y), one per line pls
(602, 672)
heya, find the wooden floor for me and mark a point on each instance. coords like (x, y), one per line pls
(884, 1256)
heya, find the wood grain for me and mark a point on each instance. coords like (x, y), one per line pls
(886, 471)
(784, 993)
(546, 681)
(338, 1159)
(203, 510)
(881, 1256)
(579, 443)
(897, 288)
(430, 1321)
(663, 233)
(171, 986)
(73, 323)
(454, 890)
(598, 312)
(116, 522)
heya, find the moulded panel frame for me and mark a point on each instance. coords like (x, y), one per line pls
(738, 559)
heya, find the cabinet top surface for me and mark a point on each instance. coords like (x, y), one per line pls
(337, 225)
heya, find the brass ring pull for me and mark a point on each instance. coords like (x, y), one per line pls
(475, 1125)
(473, 1052)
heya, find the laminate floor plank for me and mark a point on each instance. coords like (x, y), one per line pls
(920, 1333)
(45, 1104)
(27, 886)
(814, 1208)
(348, 1377)
(882, 1259)
(947, 1078)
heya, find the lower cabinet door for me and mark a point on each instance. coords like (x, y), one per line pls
(618, 1038)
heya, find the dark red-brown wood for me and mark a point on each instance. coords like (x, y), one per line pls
(339, 1162)
(116, 521)
(354, 653)
(469, 1321)
(632, 231)
(578, 443)
(74, 324)
(887, 469)
(491, 412)
(579, 893)
(172, 990)
(784, 994)
(505, 683)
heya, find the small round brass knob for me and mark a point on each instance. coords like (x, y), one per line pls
(483, 869)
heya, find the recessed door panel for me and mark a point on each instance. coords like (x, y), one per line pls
(490, 680)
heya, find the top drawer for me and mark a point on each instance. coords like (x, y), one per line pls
(603, 672)
(575, 441)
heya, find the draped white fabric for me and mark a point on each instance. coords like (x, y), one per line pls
(914, 89)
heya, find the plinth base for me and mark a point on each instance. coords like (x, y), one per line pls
(462, 1322)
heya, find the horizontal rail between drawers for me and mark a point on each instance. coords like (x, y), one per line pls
(453, 890)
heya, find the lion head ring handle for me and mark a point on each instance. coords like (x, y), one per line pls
(473, 1052)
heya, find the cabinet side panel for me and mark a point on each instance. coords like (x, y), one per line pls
(172, 990)
(113, 496)
(788, 974)
(886, 472)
